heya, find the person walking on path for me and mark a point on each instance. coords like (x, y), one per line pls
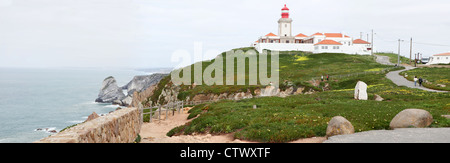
(415, 80)
(420, 81)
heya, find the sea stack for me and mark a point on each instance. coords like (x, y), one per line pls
(110, 91)
(140, 83)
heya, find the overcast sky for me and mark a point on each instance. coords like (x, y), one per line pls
(144, 33)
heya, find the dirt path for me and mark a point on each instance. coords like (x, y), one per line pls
(156, 133)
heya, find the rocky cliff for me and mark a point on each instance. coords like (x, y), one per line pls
(110, 91)
(140, 83)
(165, 92)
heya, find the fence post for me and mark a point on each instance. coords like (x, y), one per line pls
(182, 103)
(159, 108)
(174, 107)
(141, 113)
(167, 108)
(151, 114)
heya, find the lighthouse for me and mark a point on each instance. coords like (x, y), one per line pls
(285, 23)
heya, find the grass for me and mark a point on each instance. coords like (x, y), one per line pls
(301, 116)
(393, 58)
(434, 75)
(294, 66)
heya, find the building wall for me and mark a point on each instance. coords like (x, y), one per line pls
(284, 27)
(121, 126)
(284, 47)
(442, 59)
(360, 49)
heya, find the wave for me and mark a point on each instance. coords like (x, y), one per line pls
(47, 129)
(111, 106)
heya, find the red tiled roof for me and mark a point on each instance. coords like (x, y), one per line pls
(301, 35)
(359, 41)
(317, 34)
(328, 42)
(271, 34)
(333, 34)
(442, 54)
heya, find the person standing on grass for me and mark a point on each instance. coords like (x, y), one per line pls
(321, 77)
(420, 81)
(415, 80)
(328, 77)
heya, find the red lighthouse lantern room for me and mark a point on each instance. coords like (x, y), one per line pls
(285, 12)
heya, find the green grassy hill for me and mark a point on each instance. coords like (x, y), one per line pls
(295, 69)
(393, 58)
(301, 116)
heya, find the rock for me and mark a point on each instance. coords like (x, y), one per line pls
(127, 101)
(360, 91)
(141, 83)
(287, 92)
(440, 85)
(411, 118)
(378, 98)
(299, 90)
(52, 131)
(110, 91)
(270, 91)
(92, 116)
(446, 116)
(117, 102)
(338, 125)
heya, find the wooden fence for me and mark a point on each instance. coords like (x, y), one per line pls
(171, 107)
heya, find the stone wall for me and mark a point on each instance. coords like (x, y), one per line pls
(121, 126)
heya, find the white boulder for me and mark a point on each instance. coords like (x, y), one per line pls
(360, 91)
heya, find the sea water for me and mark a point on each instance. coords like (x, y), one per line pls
(51, 99)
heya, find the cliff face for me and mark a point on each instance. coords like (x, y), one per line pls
(140, 83)
(110, 91)
(163, 93)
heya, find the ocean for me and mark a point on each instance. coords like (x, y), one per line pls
(52, 99)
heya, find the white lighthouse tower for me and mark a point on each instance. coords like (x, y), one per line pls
(284, 24)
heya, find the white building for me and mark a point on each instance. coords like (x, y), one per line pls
(443, 58)
(316, 43)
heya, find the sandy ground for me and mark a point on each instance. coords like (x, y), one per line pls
(155, 132)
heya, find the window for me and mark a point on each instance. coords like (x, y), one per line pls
(324, 47)
(287, 41)
(285, 25)
(335, 47)
(316, 48)
(271, 41)
(437, 58)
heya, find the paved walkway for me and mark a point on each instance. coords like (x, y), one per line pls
(401, 81)
(402, 135)
(398, 79)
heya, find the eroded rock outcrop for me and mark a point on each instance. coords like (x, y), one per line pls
(110, 91)
(141, 83)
